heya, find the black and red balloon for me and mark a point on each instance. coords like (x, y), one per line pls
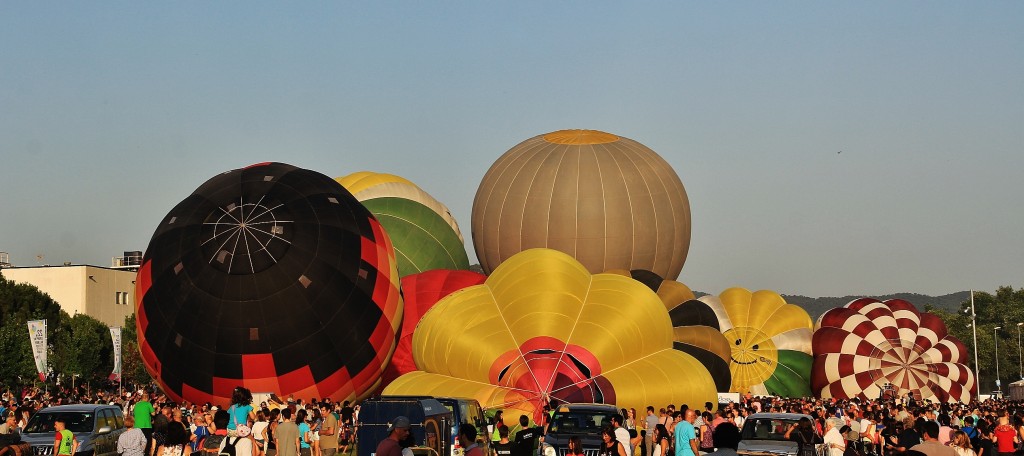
(272, 277)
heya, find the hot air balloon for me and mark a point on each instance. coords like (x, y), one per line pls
(424, 233)
(868, 345)
(542, 328)
(695, 325)
(271, 277)
(770, 341)
(608, 201)
(420, 292)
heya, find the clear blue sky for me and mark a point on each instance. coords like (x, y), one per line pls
(112, 112)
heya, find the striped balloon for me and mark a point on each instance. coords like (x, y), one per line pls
(867, 344)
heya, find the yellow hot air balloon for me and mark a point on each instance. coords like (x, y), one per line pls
(543, 328)
(770, 341)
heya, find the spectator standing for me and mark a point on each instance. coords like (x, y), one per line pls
(526, 439)
(287, 435)
(931, 445)
(328, 432)
(305, 434)
(503, 447)
(143, 413)
(834, 440)
(961, 444)
(686, 435)
(398, 432)
(467, 438)
(622, 434)
(726, 438)
(64, 443)
(131, 442)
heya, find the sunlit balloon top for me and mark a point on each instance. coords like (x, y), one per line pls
(542, 328)
(424, 233)
(868, 344)
(272, 277)
(608, 201)
(770, 341)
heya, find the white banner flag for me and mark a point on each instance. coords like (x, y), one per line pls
(115, 336)
(37, 336)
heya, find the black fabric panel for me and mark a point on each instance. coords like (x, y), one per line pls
(693, 313)
(718, 367)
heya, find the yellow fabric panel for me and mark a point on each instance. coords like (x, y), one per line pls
(665, 377)
(705, 337)
(623, 320)
(539, 292)
(490, 397)
(439, 344)
(362, 180)
(673, 293)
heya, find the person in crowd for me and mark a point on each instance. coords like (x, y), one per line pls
(662, 440)
(726, 439)
(397, 432)
(622, 434)
(328, 433)
(240, 411)
(650, 424)
(259, 433)
(10, 425)
(199, 431)
(685, 434)
(802, 432)
(610, 446)
(984, 445)
(131, 442)
(961, 444)
(931, 445)
(525, 439)
(706, 433)
(287, 435)
(833, 438)
(1005, 436)
(467, 439)
(64, 443)
(143, 413)
(503, 447)
(305, 434)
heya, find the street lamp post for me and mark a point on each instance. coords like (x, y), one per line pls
(974, 329)
(995, 337)
(1019, 353)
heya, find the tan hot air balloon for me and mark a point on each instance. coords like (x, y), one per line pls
(608, 201)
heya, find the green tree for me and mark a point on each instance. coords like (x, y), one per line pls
(83, 349)
(1003, 309)
(20, 303)
(132, 369)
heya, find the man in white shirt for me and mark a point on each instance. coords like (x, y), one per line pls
(834, 441)
(621, 434)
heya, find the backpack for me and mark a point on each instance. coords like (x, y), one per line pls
(229, 447)
(806, 448)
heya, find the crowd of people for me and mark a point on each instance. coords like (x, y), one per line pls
(157, 426)
(294, 427)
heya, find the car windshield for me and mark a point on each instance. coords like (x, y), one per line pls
(766, 428)
(76, 422)
(579, 422)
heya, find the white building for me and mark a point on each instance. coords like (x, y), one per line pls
(106, 294)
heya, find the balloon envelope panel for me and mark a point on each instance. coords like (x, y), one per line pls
(420, 292)
(272, 277)
(608, 201)
(422, 229)
(869, 348)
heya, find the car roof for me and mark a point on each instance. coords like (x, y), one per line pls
(588, 407)
(77, 408)
(778, 416)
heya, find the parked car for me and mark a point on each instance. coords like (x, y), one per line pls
(765, 433)
(579, 420)
(96, 428)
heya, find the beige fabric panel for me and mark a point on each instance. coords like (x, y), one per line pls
(610, 202)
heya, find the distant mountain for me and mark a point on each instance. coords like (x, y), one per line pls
(817, 306)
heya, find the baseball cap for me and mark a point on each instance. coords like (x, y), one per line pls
(399, 422)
